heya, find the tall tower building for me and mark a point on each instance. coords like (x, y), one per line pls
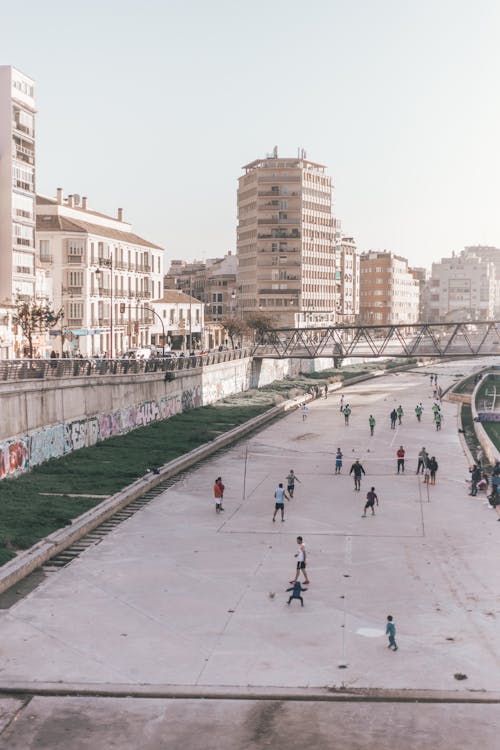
(286, 241)
(17, 186)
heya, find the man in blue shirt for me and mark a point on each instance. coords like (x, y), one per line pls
(279, 501)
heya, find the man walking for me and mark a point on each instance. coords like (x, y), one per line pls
(438, 419)
(475, 475)
(357, 470)
(304, 410)
(423, 457)
(279, 501)
(347, 413)
(371, 499)
(301, 561)
(371, 422)
(338, 461)
(418, 411)
(290, 482)
(390, 630)
(394, 416)
(399, 412)
(400, 454)
(218, 495)
(342, 403)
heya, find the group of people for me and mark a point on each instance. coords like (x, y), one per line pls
(479, 480)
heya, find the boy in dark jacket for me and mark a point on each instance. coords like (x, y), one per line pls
(296, 590)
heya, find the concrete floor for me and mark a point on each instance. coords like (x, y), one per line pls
(180, 596)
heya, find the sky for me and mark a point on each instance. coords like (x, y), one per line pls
(154, 106)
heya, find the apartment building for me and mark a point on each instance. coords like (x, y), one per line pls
(492, 254)
(347, 281)
(17, 198)
(102, 274)
(286, 241)
(389, 291)
(213, 282)
(462, 288)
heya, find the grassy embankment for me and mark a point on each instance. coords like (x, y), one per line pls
(37, 503)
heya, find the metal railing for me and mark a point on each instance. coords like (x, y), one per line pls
(48, 369)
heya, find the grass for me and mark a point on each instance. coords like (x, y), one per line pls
(27, 515)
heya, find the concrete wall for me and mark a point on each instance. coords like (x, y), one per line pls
(47, 419)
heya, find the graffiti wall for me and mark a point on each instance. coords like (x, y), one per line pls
(22, 453)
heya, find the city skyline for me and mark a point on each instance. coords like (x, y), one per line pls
(149, 109)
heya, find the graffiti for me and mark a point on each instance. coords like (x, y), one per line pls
(14, 457)
(54, 441)
(47, 443)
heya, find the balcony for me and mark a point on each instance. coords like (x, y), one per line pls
(23, 154)
(104, 322)
(279, 234)
(277, 220)
(23, 242)
(103, 291)
(74, 322)
(74, 290)
(74, 260)
(22, 128)
(120, 265)
(277, 194)
(131, 266)
(28, 186)
(24, 269)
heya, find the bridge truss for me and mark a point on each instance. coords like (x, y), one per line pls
(465, 339)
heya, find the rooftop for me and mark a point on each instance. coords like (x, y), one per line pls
(56, 223)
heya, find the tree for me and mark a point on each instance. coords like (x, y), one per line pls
(234, 327)
(260, 323)
(33, 318)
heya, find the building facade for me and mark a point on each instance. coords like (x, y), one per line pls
(17, 198)
(179, 322)
(462, 288)
(286, 241)
(347, 281)
(389, 291)
(102, 274)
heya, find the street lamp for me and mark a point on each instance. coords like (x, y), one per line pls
(108, 262)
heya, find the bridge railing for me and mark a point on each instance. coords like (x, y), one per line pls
(49, 369)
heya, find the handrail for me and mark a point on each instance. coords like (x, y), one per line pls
(49, 369)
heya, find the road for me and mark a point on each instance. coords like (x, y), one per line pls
(181, 601)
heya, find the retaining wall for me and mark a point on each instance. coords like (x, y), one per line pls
(46, 419)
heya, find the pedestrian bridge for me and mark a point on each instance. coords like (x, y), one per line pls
(465, 339)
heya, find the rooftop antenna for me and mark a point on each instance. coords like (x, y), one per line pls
(76, 199)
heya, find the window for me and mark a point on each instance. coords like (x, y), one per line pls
(22, 206)
(44, 249)
(75, 279)
(75, 247)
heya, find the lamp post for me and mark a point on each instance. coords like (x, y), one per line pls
(149, 309)
(108, 262)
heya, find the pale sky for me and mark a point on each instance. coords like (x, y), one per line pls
(155, 106)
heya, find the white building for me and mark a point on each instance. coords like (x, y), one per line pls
(17, 198)
(179, 322)
(347, 281)
(102, 274)
(462, 288)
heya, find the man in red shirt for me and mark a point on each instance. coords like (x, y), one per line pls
(400, 453)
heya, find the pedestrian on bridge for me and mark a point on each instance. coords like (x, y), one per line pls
(399, 412)
(371, 422)
(357, 470)
(347, 414)
(394, 416)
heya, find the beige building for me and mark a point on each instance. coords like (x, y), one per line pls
(17, 199)
(286, 241)
(103, 275)
(389, 291)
